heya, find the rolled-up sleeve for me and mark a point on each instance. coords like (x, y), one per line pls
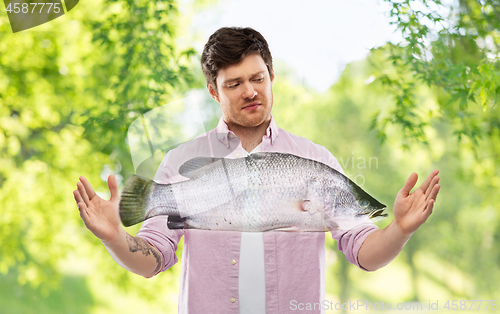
(155, 230)
(349, 241)
(156, 233)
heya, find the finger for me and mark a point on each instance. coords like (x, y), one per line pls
(410, 183)
(427, 182)
(83, 193)
(431, 186)
(113, 187)
(429, 208)
(79, 202)
(433, 194)
(78, 197)
(90, 191)
(83, 211)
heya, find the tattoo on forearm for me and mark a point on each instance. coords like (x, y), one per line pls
(140, 245)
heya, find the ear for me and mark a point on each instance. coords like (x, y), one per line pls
(213, 92)
(272, 76)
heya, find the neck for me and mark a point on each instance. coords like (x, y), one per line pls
(250, 137)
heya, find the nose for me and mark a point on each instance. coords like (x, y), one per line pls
(249, 92)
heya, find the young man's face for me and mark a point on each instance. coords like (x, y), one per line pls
(244, 92)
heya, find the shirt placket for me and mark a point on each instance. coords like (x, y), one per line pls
(235, 245)
(271, 272)
(270, 258)
(233, 264)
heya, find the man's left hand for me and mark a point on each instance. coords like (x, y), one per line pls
(411, 210)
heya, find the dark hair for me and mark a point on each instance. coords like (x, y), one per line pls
(229, 46)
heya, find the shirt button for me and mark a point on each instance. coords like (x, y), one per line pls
(237, 155)
(233, 262)
(231, 135)
(233, 300)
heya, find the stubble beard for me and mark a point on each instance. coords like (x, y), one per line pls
(245, 122)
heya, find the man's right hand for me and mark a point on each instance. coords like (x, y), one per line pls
(103, 220)
(101, 217)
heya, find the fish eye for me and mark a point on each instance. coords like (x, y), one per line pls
(364, 203)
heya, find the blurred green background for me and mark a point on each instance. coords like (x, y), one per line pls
(69, 90)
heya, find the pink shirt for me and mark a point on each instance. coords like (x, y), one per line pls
(294, 261)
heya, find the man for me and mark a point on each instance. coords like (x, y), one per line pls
(231, 272)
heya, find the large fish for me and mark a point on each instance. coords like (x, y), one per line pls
(263, 191)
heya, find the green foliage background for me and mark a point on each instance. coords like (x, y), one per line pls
(428, 102)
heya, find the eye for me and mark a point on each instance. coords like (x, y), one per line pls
(364, 203)
(234, 85)
(259, 79)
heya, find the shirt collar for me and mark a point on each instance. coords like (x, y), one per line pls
(223, 131)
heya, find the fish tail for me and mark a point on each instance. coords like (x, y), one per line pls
(176, 222)
(134, 198)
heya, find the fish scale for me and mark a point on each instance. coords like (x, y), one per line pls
(260, 192)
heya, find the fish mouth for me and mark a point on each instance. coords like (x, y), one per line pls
(252, 106)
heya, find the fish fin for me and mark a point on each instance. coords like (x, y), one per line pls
(299, 229)
(133, 200)
(331, 226)
(190, 167)
(176, 222)
(288, 229)
(311, 207)
(304, 206)
(311, 203)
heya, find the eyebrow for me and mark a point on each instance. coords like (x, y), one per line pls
(239, 78)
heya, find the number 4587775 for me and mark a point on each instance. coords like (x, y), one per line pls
(474, 304)
(30, 7)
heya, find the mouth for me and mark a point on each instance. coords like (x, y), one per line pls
(251, 106)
